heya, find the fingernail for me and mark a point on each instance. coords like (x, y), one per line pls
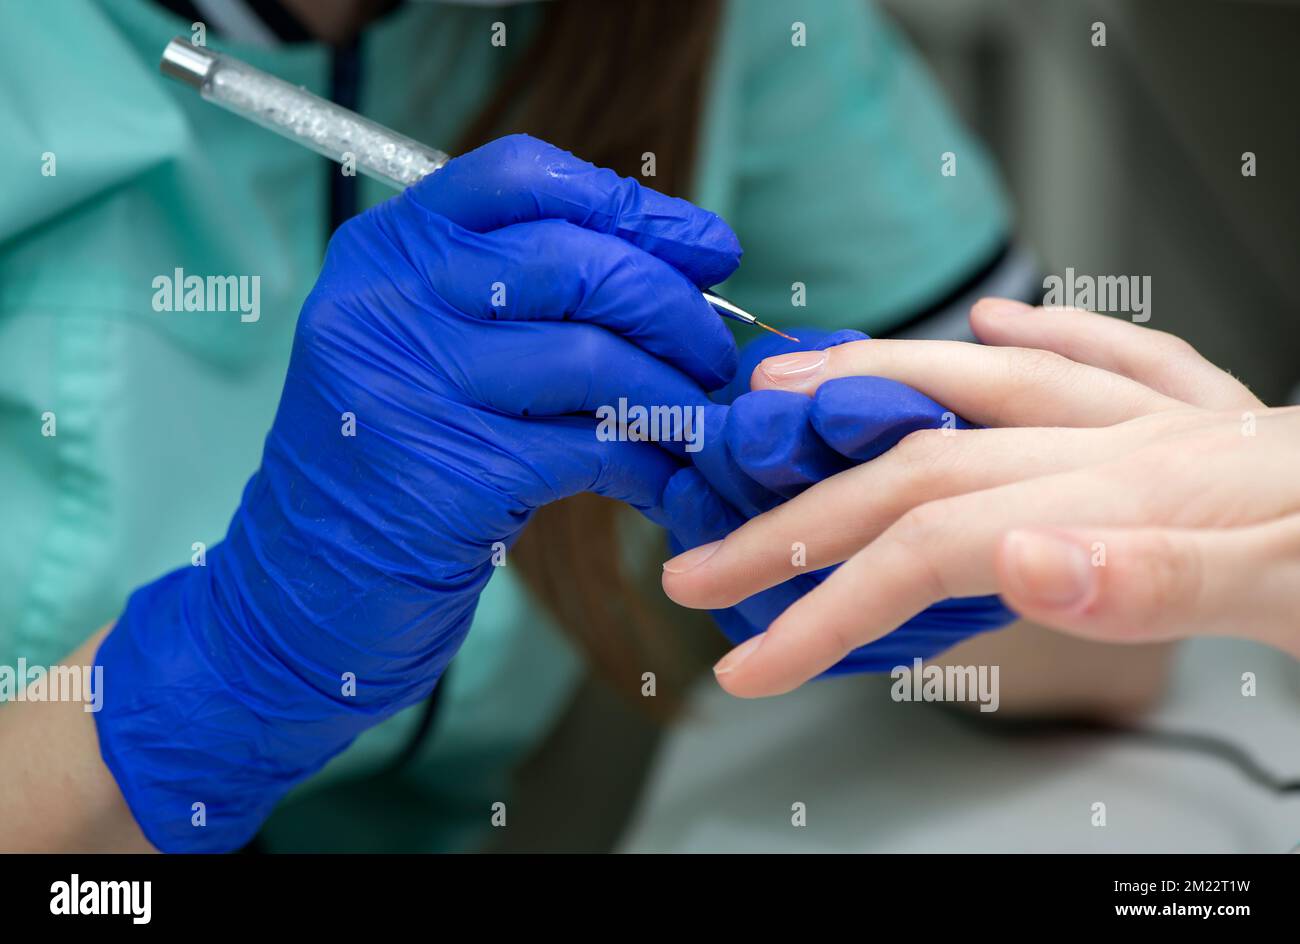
(793, 368)
(732, 660)
(1002, 306)
(689, 560)
(1049, 570)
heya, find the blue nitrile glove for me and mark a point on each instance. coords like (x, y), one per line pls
(768, 446)
(468, 328)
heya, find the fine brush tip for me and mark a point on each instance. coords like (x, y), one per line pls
(767, 327)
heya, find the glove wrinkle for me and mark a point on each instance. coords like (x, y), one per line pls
(418, 426)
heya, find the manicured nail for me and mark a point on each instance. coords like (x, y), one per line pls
(731, 661)
(1008, 307)
(793, 368)
(1049, 570)
(689, 560)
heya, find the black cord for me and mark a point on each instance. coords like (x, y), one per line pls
(967, 286)
(345, 90)
(1208, 745)
(422, 729)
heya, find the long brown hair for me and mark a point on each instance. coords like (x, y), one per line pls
(608, 81)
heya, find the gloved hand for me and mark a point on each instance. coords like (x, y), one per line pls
(768, 446)
(466, 329)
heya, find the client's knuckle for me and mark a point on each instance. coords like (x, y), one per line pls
(925, 454)
(1161, 583)
(917, 534)
(1172, 347)
(1033, 368)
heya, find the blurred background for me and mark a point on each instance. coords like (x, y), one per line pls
(1127, 158)
(1123, 159)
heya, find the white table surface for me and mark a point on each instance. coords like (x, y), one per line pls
(881, 776)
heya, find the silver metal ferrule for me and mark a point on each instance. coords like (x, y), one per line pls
(728, 308)
(187, 63)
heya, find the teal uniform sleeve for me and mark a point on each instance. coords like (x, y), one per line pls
(826, 158)
(825, 146)
(160, 415)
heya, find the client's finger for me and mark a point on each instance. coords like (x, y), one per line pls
(1157, 583)
(836, 517)
(947, 548)
(990, 386)
(936, 551)
(1164, 362)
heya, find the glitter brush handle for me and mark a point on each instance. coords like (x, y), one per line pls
(298, 115)
(328, 129)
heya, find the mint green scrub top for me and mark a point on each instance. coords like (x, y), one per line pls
(825, 158)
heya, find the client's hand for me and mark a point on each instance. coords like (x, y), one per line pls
(1134, 492)
(769, 446)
